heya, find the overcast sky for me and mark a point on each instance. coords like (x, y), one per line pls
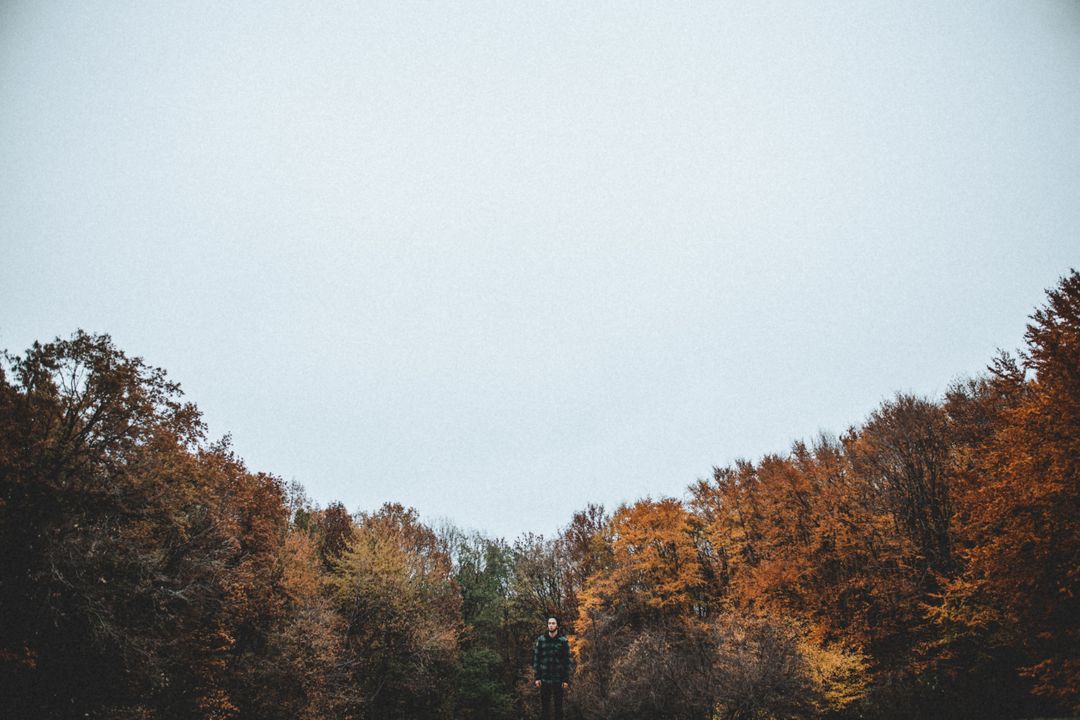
(497, 260)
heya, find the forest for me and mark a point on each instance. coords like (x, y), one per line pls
(925, 563)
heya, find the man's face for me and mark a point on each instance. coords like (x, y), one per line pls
(553, 625)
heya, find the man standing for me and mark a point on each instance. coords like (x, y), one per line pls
(551, 664)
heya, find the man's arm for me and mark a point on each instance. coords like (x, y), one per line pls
(536, 659)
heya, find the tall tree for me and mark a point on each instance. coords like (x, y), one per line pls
(489, 667)
(394, 588)
(651, 590)
(109, 565)
(1022, 507)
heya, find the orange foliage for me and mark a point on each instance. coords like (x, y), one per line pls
(1022, 507)
(655, 566)
(934, 543)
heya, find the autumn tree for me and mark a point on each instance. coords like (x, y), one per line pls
(652, 584)
(108, 590)
(394, 589)
(974, 662)
(767, 666)
(142, 572)
(1021, 508)
(923, 564)
(583, 549)
(306, 658)
(791, 545)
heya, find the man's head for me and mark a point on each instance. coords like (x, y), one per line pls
(553, 625)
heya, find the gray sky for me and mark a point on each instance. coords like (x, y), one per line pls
(499, 260)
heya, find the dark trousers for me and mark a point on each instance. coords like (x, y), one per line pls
(547, 691)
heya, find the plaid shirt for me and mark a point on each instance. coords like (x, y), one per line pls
(551, 659)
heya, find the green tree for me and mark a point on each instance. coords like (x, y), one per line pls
(488, 671)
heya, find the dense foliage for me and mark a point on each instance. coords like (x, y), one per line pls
(924, 564)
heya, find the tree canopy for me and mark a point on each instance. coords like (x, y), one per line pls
(924, 563)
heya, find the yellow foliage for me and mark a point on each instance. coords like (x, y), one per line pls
(841, 675)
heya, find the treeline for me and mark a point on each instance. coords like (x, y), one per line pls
(924, 564)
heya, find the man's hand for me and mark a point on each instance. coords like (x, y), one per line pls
(537, 683)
